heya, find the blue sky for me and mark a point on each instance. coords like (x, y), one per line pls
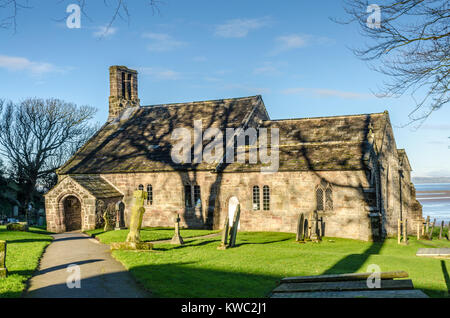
(290, 52)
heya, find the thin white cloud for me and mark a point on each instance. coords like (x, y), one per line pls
(104, 32)
(160, 74)
(239, 28)
(295, 41)
(322, 92)
(16, 63)
(162, 42)
(289, 42)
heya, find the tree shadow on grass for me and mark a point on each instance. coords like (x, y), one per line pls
(353, 262)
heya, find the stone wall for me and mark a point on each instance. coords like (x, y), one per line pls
(291, 193)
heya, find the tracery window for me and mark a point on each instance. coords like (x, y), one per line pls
(256, 199)
(324, 197)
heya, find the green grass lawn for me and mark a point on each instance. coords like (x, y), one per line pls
(147, 234)
(24, 250)
(252, 269)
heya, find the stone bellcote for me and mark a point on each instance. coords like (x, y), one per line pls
(123, 90)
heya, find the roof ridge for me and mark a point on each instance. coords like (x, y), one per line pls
(201, 101)
(323, 117)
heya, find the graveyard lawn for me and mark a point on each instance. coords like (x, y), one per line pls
(259, 260)
(23, 252)
(147, 234)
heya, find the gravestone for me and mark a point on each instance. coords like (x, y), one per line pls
(108, 216)
(120, 222)
(133, 241)
(441, 229)
(300, 228)
(235, 226)
(224, 241)
(99, 212)
(3, 270)
(177, 239)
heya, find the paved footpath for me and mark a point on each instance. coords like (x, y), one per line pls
(101, 275)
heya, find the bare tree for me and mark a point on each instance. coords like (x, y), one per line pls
(119, 9)
(37, 136)
(411, 45)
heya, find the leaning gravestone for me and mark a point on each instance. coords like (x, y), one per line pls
(177, 239)
(300, 228)
(3, 270)
(133, 241)
(108, 216)
(224, 242)
(235, 226)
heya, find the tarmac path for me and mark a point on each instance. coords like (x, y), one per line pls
(101, 275)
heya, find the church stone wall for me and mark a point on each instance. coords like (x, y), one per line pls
(291, 193)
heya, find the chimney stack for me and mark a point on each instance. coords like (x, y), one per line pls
(123, 90)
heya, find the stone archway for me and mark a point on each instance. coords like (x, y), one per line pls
(72, 213)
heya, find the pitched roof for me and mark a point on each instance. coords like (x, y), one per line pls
(139, 140)
(323, 143)
(97, 186)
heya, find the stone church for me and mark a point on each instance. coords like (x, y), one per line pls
(346, 168)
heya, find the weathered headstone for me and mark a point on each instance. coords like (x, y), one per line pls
(235, 226)
(3, 270)
(300, 228)
(224, 241)
(133, 240)
(427, 226)
(108, 216)
(120, 222)
(432, 229)
(177, 239)
(405, 231)
(137, 214)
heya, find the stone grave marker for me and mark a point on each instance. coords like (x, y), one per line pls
(177, 239)
(224, 241)
(300, 228)
(235, 226)
(120, 222)
(133, 241)
(3, 270)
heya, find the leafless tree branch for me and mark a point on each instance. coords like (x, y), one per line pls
(411, 47)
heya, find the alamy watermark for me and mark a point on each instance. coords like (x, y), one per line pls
(374, 19)
(374, 280)
(237, 142)
(73, 21)
(74, 279)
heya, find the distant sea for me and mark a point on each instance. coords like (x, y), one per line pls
(435, 199)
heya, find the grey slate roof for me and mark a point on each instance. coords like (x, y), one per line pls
(140, 139)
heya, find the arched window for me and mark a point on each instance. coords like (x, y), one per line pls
(197, 197)
(266, 198)
(188, 196)
(149, 194)
(256, 199)
(324, 196)
(319, 199)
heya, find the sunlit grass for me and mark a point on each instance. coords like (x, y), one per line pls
(253, 268)
(24, 250)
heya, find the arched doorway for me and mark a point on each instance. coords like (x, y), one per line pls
(72, 213)
(232, 207)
